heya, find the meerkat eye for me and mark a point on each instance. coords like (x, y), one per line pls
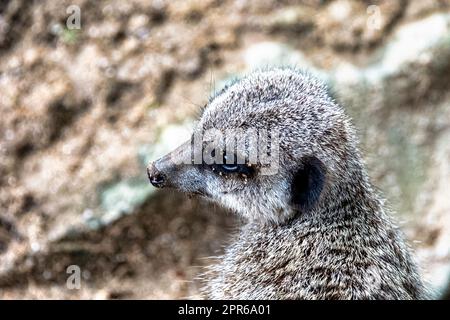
(227, 167)
(233, 168)
(230, 167)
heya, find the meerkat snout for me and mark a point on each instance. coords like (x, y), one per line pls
(278, 150)
(157, 178)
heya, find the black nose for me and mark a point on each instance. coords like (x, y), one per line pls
(157, 178)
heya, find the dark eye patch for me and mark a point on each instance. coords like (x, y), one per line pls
(243, 169)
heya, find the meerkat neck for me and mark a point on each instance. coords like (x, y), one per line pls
(349, 198)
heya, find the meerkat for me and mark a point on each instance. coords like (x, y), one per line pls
(313, 228)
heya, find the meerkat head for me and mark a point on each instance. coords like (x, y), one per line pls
(269, 146)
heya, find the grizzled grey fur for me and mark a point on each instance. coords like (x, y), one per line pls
(316, 229)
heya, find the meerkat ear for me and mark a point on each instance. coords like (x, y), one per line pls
(307, 184)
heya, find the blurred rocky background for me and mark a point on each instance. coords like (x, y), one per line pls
(82, 110)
